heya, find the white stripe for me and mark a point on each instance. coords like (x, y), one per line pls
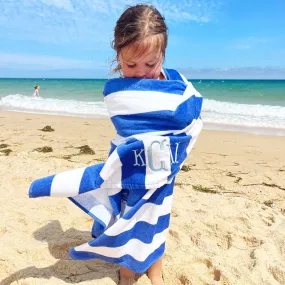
(112, 171)
(102, 213)
(67, 183)
(157, 156)
(149, 213)
(193, 130)
(137, 102)
(132, 247)
(184, 79)
(121, 140)
(113, 191)
(192, 90)
(125, 209)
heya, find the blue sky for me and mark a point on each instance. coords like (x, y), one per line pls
(207, 38)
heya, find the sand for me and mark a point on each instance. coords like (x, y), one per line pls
(228, 217)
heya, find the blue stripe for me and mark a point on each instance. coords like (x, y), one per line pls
(41, 187)
(131, 84)
(112, 148)
(183, 141)
(142, 231)
(98, 228)
(157, 198)
(135, 196)
(164, 120)
(172, 74)
(115, 201)
(91, 178)
(132, 173)
(127, 260)
(137, 84)
(73, 199)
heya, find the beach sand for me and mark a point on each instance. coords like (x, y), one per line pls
(228, 216)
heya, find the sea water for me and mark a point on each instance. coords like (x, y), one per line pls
(254, 106)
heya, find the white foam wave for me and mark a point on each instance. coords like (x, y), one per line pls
(51, 106)
(263, 116)
(216, 114)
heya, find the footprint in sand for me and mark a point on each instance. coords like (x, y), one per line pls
(44, 149)
(215, 272)
(268, 220)
(278, 273)
(174, 234)
(184, 280)
(253, 259)
(3, 145)
(6, 152)
(174, 214)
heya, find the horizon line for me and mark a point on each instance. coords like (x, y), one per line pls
(86, 78)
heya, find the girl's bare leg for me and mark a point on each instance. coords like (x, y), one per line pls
(127, 277)
(155, 273)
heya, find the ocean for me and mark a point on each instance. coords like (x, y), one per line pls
(252, 106)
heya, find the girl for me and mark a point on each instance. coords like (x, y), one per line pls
(36, 92)
(140, 41)
(156, 113)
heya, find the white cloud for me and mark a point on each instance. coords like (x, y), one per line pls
(188, 10)
(42, 62)
(65, 21)
(234, 73)
(250, 42)
(64, 4)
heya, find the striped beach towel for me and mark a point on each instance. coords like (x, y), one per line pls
(130, 196)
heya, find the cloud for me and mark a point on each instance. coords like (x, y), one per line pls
(87, 22)
(40, 62)
(65, 4)
(191, 10)
(250, 42)
(234, 73)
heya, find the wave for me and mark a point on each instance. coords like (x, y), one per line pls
(251, 115)
(52, 106)
(215, 114)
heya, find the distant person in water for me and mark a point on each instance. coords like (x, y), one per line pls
(36, 92)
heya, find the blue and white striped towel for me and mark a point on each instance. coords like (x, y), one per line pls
(130, 196)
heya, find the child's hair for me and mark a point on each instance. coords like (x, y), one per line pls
(36, 87)
(141, 26)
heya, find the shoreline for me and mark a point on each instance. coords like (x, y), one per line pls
(227, 220)
(263, 131)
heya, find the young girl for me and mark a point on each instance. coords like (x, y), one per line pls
(156, 113)
(140, 41)
(36, 92)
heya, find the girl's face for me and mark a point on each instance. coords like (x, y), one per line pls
(147, 65)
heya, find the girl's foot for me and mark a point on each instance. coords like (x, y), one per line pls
(126, 280)
(156, 281)
(127, 277)
(154, 273)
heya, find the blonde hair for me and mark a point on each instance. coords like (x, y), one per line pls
(139, 28)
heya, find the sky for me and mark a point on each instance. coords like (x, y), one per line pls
(240, 39)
